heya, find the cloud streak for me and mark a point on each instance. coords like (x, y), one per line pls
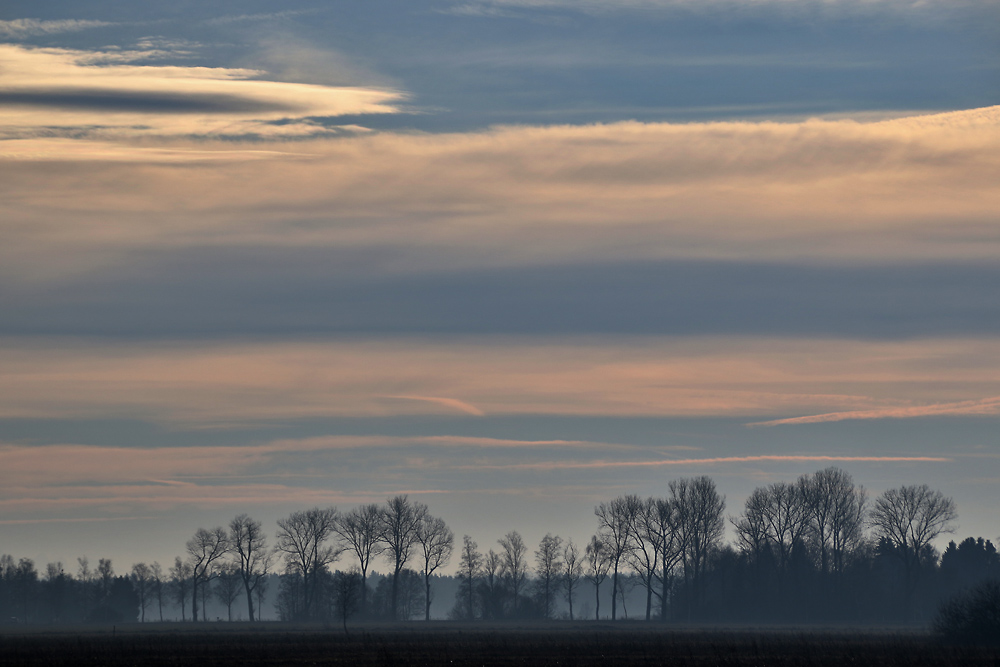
(101, 94)
(576, 465)
(229, 383)
(980, 407)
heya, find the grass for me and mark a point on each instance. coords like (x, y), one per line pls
(564, 644)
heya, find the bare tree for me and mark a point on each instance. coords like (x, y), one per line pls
(304, 539)
(228, 585)
(616, 521)
(359, 530)
(837, 509)
(253, 559)
(514, 565)
(572, 571)
(142, 584)
(469, 568)
(662, 521)
(180, 582)
(598, 565)
(548, 567)
(398, 531)
(492, 567)
(346, 593)
(699, 525)
(204, 549)
(436, 543)
(910, 518)
(782, 510)
(159, 586)
(644, 556)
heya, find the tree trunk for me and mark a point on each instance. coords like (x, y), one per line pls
(614, 593)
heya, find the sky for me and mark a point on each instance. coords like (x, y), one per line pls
(510, 257)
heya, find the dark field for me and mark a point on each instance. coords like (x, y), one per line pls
(459, 644)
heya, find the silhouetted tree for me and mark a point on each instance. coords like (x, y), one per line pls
(142, 584)
(347, 594)
(598, 565)
(491, 588)
(616, 523)
(699, 527)
(253, 559)
(159, 587)
(359, 529)
(436, 543)
(204, 551)
(469, 569)
(180, 581)
(973, 616)
(644, 556)
(228, 585)
(513, 566)
(548, 568)
(398, 531)
(910, 518)
(572, 571)
(304, 539)
(836, 509)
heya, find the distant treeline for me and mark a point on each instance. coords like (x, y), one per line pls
(816, 550)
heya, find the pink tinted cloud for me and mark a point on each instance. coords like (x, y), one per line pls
(454, 403)
(570, 465)
(985, 406)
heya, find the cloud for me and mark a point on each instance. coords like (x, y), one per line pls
(461, 406)
(226, 383)
(835, 191)
(576, 465)
(979, 407)
(22, 28)
(100, 94)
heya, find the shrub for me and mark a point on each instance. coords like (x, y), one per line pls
(973, 616)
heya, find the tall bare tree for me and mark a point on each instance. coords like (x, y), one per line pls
(436, 543)
(699, 524)
(253, 558)
(304, 537)
(548, 568)
(783, 512)
(228, 586)
(662, 520)
(159, 586)
(616, 521)
(142, 584)
(470, 567)
(598, 565)
(837, 509)
(359, 530)
(644, 556)
(910, 518)
(204, 550)
(398, 531)
(514, 565)
(572, 571)
(180, 583)
(492, 568)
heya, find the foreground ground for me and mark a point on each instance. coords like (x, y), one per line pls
(460, 644)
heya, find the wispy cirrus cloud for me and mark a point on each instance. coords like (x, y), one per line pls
(226, 383)
(22, 28)
(718, 460)
(979, 407)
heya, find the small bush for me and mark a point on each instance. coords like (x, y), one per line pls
(973, 616)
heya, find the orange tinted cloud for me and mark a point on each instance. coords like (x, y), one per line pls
(986, 406)
(218, 384)
(576, 465)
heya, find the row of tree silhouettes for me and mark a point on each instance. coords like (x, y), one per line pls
(814, 549)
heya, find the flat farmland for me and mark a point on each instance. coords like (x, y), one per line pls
(449, 643)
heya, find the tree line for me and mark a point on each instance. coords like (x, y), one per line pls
(816, 549)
